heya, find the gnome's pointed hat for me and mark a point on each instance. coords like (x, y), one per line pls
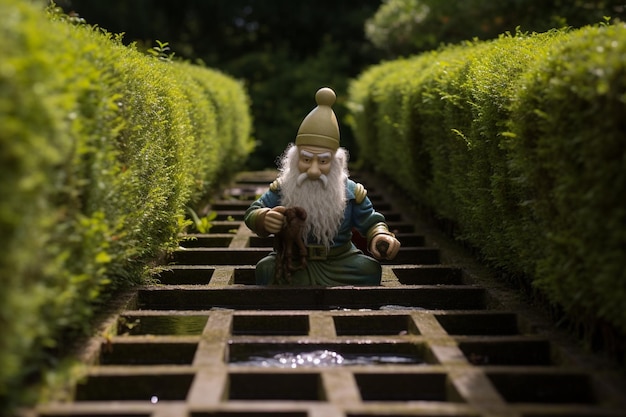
(320, 127)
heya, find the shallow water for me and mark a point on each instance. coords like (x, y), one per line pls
(324, 358)
(162, 325)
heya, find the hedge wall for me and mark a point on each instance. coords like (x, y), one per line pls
(101, 149)
(521, 142)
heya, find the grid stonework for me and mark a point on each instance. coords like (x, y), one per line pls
(432, 340)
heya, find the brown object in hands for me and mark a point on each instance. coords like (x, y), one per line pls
(382, 247)
(289, 236)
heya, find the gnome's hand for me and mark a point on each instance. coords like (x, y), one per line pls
(274, 219)
(384, 246)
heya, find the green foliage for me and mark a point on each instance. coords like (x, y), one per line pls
(402, 27)
(568, 154)
(101, 150)
(520, 142)
(162, 51)
(202, 224)
(394, 24)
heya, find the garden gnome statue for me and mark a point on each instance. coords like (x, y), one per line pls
(313, 176)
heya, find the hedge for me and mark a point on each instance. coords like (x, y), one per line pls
(521, 143)
(102, 148)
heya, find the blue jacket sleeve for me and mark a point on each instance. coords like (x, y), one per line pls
(364, 217)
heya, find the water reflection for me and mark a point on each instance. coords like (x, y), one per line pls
(324, 358)
(161, 325)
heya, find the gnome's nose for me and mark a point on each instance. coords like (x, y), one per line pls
(314, 170)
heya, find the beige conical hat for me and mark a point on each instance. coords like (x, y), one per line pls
(320, 127)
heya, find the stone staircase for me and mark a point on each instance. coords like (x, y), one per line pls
(436, 339)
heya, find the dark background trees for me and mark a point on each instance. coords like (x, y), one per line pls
(402, 27)
(284, 50)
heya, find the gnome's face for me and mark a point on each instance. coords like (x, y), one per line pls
(314, 178)
(314, 161)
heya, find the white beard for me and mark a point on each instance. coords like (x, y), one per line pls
(323, 201)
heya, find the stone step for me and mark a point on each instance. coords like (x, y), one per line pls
(244, 274)
(215, 240)
(432, 297)
(251, 255)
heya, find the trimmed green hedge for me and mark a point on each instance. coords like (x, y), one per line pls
(101, 150)
(521, 142)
